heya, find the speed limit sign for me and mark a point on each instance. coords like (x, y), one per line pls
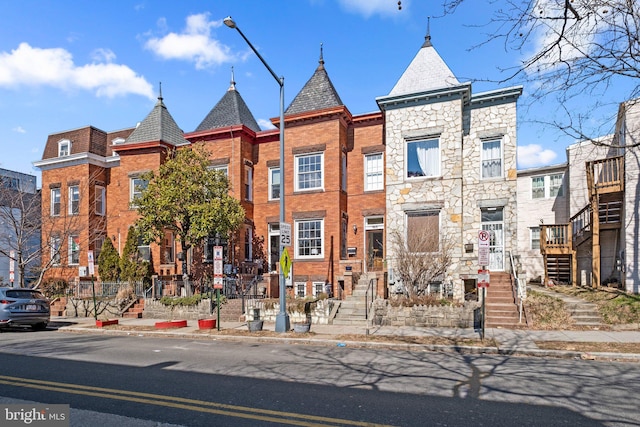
(285, 234)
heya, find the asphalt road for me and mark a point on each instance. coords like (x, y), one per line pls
(137, 380)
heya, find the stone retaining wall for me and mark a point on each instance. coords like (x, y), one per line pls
(319, 314)
(153, 309)
(428, 316)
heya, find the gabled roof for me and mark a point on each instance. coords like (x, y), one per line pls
(317, 94)
(230, 110)
(426, 72)
(158, 126)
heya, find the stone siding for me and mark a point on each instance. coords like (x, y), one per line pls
(426, 316)
(319, 314)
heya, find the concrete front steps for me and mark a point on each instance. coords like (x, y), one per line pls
(353, 309)
(135, 311)
(501, 307)
(59, 307)
(583, 313)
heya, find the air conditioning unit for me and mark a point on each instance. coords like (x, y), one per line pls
(82, 271)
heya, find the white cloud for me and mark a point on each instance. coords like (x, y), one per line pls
(19, 129)
(193, 44)
(265, 124)
(368, 8)
(103, 55)
(30, 66)
(534, 155)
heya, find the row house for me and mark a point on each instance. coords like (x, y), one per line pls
(435, 157)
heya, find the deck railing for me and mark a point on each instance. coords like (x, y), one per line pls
(608, 174)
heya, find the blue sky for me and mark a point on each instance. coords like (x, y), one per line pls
(69, 64)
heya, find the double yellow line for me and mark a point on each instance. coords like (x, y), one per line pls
(267, 415)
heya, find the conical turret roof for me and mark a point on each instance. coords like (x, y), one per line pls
(427, 71)
(230, 110)
(317, 94)
(158, 126)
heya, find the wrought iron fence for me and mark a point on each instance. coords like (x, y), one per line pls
(87, 289)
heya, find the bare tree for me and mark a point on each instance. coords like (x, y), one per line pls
(421, 258)
(20, 225)
(570, 48)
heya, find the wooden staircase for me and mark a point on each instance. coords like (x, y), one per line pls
(59, 307)
(560, 243)
(501, 307)
(135, 311)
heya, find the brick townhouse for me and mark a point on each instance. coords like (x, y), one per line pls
(435, 156)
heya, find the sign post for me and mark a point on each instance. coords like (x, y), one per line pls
(93, 286)
(12, 263)
(218, 278)
(484, 238)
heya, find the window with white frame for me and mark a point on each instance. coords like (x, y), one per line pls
(64, 148)
(547, 186)
(248, 183)
(309, 172)
(301, 289)
(74, 250)
(423, 231)
(100, 199)
(537, 187)
(74, 200)
(55, 201)
(318, 288)
(423, 158)
(274, 183)
(555, 185)
(136, 187)
(221, 168)
(492, 159)
(373, 178)
(535, 237)
(55, 250)
(97, 247)
(144, 250)
(274, 246)
(309, 238)
(248, 244)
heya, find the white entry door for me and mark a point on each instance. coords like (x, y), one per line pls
(492, 221)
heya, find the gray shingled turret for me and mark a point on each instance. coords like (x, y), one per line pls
(318, 93)
(158, 126)
(230, 110)
(426, 72)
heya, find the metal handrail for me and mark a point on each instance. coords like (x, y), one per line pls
(521, 287)
(368, 306)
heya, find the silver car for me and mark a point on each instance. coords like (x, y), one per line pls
(23, 307)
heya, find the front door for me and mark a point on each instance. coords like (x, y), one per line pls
(492, 221)
(374, 236)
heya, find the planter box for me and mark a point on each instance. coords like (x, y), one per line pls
(206, 323)
(301, 328)
(255, 325)
(101, 323)
(171, 324)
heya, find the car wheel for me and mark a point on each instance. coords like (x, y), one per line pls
(40, 326)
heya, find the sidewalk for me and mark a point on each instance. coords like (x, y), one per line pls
(509, 342)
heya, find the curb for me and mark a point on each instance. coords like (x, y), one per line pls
(470, 350)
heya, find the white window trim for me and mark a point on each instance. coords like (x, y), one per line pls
(270, 189)
(531, 229)
(62, 143)
(547, 186)
(70, 251)
(70, 200)
(55, 243)
(222, 168)
(407, 214)
(367, 157)
(100, 190)
(132, 190)
(248, 196)
(56, 190)
(304, 287)
(296, 175)
(314, 286)
(438, 173)
(322, 246)
(500, 140)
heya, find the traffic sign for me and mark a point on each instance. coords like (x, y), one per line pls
(483, 278)
(484, 237)
(285, 263)
(218, 282)
(91, 264)
(285, 234)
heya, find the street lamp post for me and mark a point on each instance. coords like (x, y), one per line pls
(282, 318)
